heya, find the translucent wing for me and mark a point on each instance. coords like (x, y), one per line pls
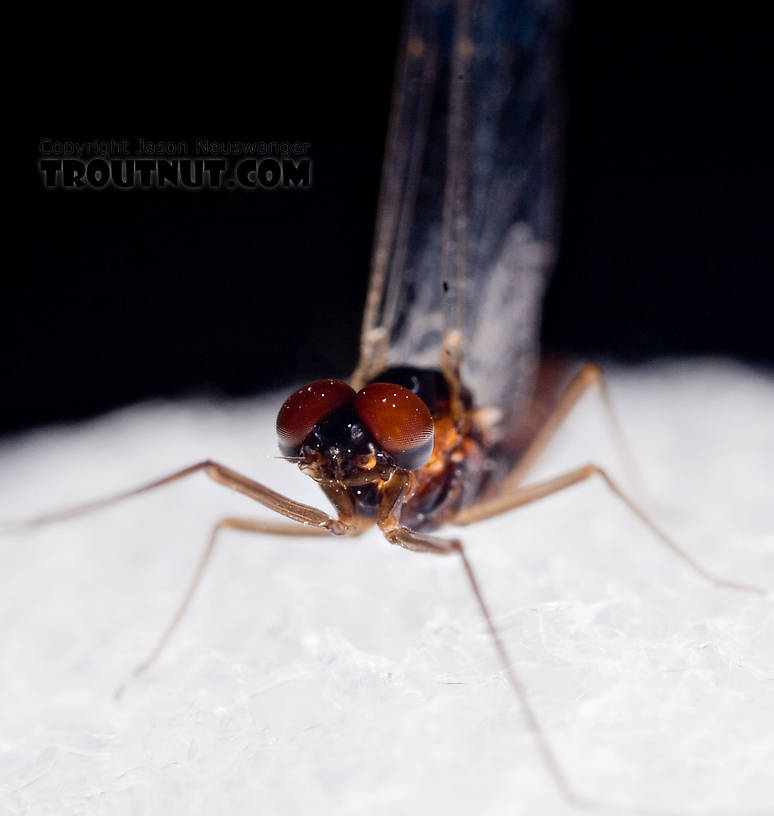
(467, 226)
(394, 278)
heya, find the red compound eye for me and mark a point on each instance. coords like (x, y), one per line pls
(399, 421)
(304, 409)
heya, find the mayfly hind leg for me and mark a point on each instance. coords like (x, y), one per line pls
(589, 376)
(514, 494)
(540, 490)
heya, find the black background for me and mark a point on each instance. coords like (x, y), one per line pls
(108, 297)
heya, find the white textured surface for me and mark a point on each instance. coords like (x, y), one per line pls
(351, 677)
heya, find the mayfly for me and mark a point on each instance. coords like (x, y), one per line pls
(449, 406)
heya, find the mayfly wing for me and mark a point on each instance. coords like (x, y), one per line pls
(511, 224)
(414, 88)
(478, 149)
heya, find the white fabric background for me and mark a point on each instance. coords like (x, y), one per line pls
(351, 677)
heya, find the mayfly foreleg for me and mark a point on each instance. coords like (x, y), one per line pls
(225, 476)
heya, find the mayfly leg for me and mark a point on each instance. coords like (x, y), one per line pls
(540, 490)
(308, 521)
(296, 511)
(513, 493)
(417, 542)
(589, 376)
(259, 526)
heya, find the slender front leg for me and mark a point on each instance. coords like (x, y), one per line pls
(296, 511)
(275, 528)
(529, 493)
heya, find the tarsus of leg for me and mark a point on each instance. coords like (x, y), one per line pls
(670, 543)
(418, 542)
(276, 528)
(530, 493)
(97, 504)
(589, 375)
(534, 727)
(536, 730)
(620, 442)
